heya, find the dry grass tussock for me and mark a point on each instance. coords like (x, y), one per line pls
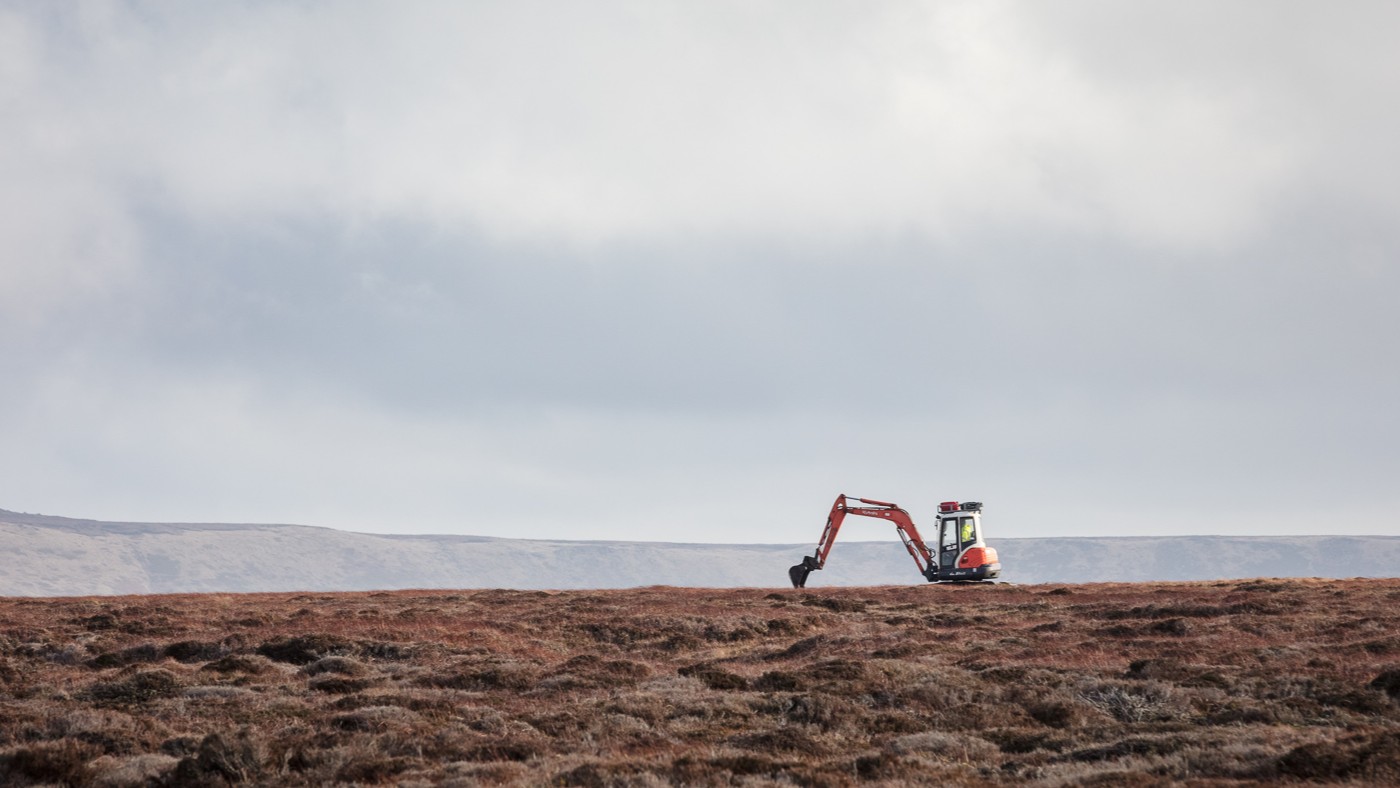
(1229, 683)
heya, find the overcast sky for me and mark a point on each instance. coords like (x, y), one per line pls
(686, 271)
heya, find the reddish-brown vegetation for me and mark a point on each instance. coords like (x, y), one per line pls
(1224, 683)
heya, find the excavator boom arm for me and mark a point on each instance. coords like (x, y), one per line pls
(884, 510)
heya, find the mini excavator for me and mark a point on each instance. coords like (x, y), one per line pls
(961, 556)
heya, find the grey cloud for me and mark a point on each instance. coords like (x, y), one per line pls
(390, 268)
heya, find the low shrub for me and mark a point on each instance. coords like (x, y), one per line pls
(625, 668)
(136, 771)
(1055, 713)
(786, 739)
(139, 687)
(1388, 682)
(823, 711)
(941, 746)
(1020, 741)
(305, 649)
(341, 666)
(371, 769)
(101, 622)
(62, 762)
(485, 675)
(504, 749)
(340, 685)
(836, 604)
(1139, 746)
(146, 652)
(601, 775)
(222, 758)
(590, 671)
(1244, 712)
(715, 678)
(195, 651)
(1373, 758)
(803, 647)
(689, 770)
(1177, 627)
(251, 664)
(836, 670)
(375, 718)
(397, 652)
(217, 691)
(1132, 703)
(779, 681)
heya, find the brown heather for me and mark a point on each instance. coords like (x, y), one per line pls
(1227, 683)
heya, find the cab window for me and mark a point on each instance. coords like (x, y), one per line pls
(967, 527)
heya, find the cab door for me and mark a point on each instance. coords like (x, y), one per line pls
(957, 535)
(949, 546)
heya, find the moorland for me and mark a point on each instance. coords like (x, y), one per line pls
(1211, 683)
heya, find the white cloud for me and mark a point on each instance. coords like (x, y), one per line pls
(626, 122)
(65, 226)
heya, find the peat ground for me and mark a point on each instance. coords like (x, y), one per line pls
(1223, 683)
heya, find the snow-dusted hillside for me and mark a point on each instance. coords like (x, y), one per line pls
(56, 556)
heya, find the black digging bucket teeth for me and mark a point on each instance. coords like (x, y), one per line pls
(798, 574)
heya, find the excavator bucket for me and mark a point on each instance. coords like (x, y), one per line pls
(798, 574)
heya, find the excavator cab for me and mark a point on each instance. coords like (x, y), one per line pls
(962, 555)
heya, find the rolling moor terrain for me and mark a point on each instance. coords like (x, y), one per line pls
(1216, 683)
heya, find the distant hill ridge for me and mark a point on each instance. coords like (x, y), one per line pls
(60, 556)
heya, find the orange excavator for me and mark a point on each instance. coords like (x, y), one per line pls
(961, 556)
